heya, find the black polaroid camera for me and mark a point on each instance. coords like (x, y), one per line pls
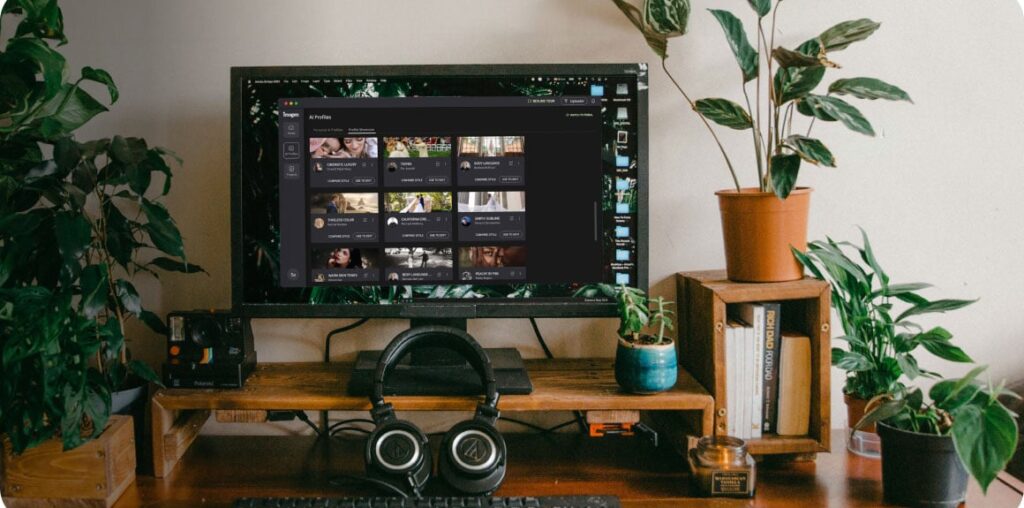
(208, 349)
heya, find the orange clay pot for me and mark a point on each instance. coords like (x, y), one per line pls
(758, 229)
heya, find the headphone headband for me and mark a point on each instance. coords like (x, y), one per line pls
(445, 337)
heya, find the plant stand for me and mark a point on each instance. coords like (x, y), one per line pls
(92, 475)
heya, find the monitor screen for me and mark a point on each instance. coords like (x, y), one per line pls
(374, 191)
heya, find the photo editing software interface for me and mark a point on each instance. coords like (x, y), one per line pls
(498, 186)
(436, 190)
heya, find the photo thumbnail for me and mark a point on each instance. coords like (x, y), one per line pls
(492, 201)
(414, 258)
(345, 258)
(492, 256)
(343, 202)
(417, 202)
(492, 146)
(343, 148)
(417, 147)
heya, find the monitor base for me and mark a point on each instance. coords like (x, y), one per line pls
(425, 377)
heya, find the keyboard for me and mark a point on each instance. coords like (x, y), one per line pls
(431, 502)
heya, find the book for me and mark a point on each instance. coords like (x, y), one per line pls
(794, 406)
(770, 367)
(733, 333)
(754, 315)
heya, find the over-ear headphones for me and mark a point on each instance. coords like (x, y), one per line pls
(472, 453)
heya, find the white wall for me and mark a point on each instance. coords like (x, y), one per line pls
(939, 189)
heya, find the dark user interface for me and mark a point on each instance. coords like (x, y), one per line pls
(443, 190)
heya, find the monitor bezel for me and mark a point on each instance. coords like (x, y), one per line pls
(498, 308)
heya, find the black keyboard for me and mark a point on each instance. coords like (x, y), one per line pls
(431, 502)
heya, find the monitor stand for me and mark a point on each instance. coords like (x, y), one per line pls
(434, 371)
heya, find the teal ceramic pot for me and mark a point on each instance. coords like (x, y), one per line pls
(641, 368)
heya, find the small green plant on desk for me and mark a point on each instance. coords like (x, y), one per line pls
(964, 426)
(78, 222)
(644, 362)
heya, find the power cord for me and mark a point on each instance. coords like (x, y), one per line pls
(580, 421)
(323, 429)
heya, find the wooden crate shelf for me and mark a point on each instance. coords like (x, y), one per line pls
(559, 385)
(703, 298)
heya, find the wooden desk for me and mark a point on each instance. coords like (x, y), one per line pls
(217, 470)
(559, 385)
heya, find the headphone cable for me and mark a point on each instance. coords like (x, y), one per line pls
(580, 422)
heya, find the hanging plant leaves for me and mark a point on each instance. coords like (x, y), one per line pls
(667, 17)
(103, 77)
(94, 290)
(761, 7)
(811, 150)
(831, 109)
(870, 89)
(784, 170)
(746, 55)
(842, 35)
(725, 112)
(788, 58)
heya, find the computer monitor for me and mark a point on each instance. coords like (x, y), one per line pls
(458, 191)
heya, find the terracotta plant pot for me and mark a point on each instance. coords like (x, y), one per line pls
(855, 410)
(758, 229)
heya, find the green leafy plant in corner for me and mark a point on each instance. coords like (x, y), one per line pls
(638, 314)
(78, 222)
(881, 341)
(784, 85)
(983, 430)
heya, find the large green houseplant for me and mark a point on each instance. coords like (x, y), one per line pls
(78, 222)
(778, 85)
(881, 340)
(928, 448)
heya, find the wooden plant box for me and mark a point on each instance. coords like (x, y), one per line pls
(92, 475)
(703, 300)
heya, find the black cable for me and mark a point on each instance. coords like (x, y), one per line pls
(538, 428)
(327, 359)
(559, 426)
(339, 481)
(547, 352)
(336, 331)
(350, 420)
(301, 415)
(339, 430)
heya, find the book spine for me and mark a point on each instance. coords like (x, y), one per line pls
(731, 369)
(747, 384)
(770, 367)
(756, 372)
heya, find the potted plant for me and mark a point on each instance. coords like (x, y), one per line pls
(761, 223)
(644, 362)
(78, 222)
(928, 448)
(880, 339)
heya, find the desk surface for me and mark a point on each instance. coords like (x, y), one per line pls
(219, 469)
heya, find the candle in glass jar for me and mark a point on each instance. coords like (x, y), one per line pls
(721, 467)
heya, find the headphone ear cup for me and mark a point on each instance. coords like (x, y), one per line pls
(398, 452)
(473, 457)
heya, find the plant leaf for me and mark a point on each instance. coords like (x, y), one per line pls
(94, 290)
(933, 307)
(985, 439)
(869, 88)
(725, 112)
(831, 109)
(746, 55)
(761, 7)
(667, 17)
(71, 108)
(882, 412)
(908, 364)
(784, 170)
(811, 150)
(74, 234)
(103, 77)
(840, 37)
(788, 59)
(173, 265)
(850, 361)
(153, 322)
(868, 254)
(49, 62)
(129, 296)
(144, 371)
(161, 229)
